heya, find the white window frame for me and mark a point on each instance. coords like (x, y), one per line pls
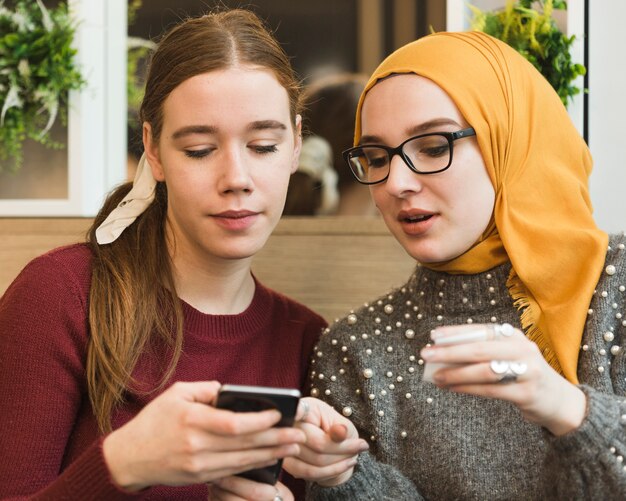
(96, 116)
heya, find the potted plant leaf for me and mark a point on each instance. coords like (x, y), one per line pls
(139, 51)
(37, 70)
(534, 33)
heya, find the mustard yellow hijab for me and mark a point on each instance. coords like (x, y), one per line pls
(539, 166)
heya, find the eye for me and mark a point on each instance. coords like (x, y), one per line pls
(436, 151)
(376, 158)
(264, 149)
(378, 161)
(198, 153)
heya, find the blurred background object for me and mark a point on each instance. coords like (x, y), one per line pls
(139, 51)
(313, 187)
(330, 107)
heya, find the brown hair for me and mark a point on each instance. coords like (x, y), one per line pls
(128, 313)
(330, 105)
(304, 196)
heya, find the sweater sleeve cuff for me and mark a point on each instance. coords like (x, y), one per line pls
(603, 427)
(88, 477)
(367, 480)
(359, 483)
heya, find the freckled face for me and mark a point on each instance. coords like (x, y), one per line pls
(226, 151)
(435, 217)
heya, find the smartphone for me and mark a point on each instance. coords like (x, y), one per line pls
(467, 337)
(241, 398)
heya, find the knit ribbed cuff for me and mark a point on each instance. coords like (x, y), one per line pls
(369, 481)
(600, 427)
(88, 478)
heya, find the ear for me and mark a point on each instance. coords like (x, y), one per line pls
(298, 144)
(151, 148)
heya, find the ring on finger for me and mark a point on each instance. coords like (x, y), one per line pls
(305, 409)
(277, 496)
(503, 331)
(507, 371)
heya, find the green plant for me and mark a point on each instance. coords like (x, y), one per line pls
(535, 35)
(139, 49)
(37, 69)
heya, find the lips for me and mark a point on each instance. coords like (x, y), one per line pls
(416, 221)
(236, 220)
(236, 214)
(414, 216)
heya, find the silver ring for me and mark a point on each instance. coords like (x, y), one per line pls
(305, 412)
(508, 372)
(277, 496)
(503, 331)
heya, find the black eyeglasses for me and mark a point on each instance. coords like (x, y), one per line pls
(424, 154)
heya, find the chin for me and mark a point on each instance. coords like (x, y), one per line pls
(420, 258)
(242, 246)
(238, 253)
(428, 254)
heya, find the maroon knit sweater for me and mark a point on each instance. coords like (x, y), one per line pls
(50, 447)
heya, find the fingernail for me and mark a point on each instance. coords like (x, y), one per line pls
(426, 353)
(292, 450)
(273, 413)
(364, 446)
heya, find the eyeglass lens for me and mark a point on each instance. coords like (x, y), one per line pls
(426, 154)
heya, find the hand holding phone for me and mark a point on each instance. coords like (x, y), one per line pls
(241, 398)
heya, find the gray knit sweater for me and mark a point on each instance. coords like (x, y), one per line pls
(427, 443)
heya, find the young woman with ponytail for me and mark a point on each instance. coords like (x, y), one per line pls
(112, 352)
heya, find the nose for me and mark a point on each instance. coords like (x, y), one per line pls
(234, 172)
(402, 181)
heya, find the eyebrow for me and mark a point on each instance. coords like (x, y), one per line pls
(415, 130)
(194, 129)
(267, 124)
(210, 129)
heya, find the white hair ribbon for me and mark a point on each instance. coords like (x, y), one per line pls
(132, 205)
(316, 160)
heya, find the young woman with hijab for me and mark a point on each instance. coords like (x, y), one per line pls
(498, 370)
(112, 352)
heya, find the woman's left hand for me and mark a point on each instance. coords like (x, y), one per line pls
(242, 489)
(506, 365)
(332, 445)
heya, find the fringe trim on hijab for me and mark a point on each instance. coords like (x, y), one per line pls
(529, 307)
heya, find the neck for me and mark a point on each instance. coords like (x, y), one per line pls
(213, 286)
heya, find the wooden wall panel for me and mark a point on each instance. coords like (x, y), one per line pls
(329, 264)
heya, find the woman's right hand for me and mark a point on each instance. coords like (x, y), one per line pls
(180, 438)
(543, 396)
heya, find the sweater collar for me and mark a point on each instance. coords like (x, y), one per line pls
(436, 293)
(254, 318)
